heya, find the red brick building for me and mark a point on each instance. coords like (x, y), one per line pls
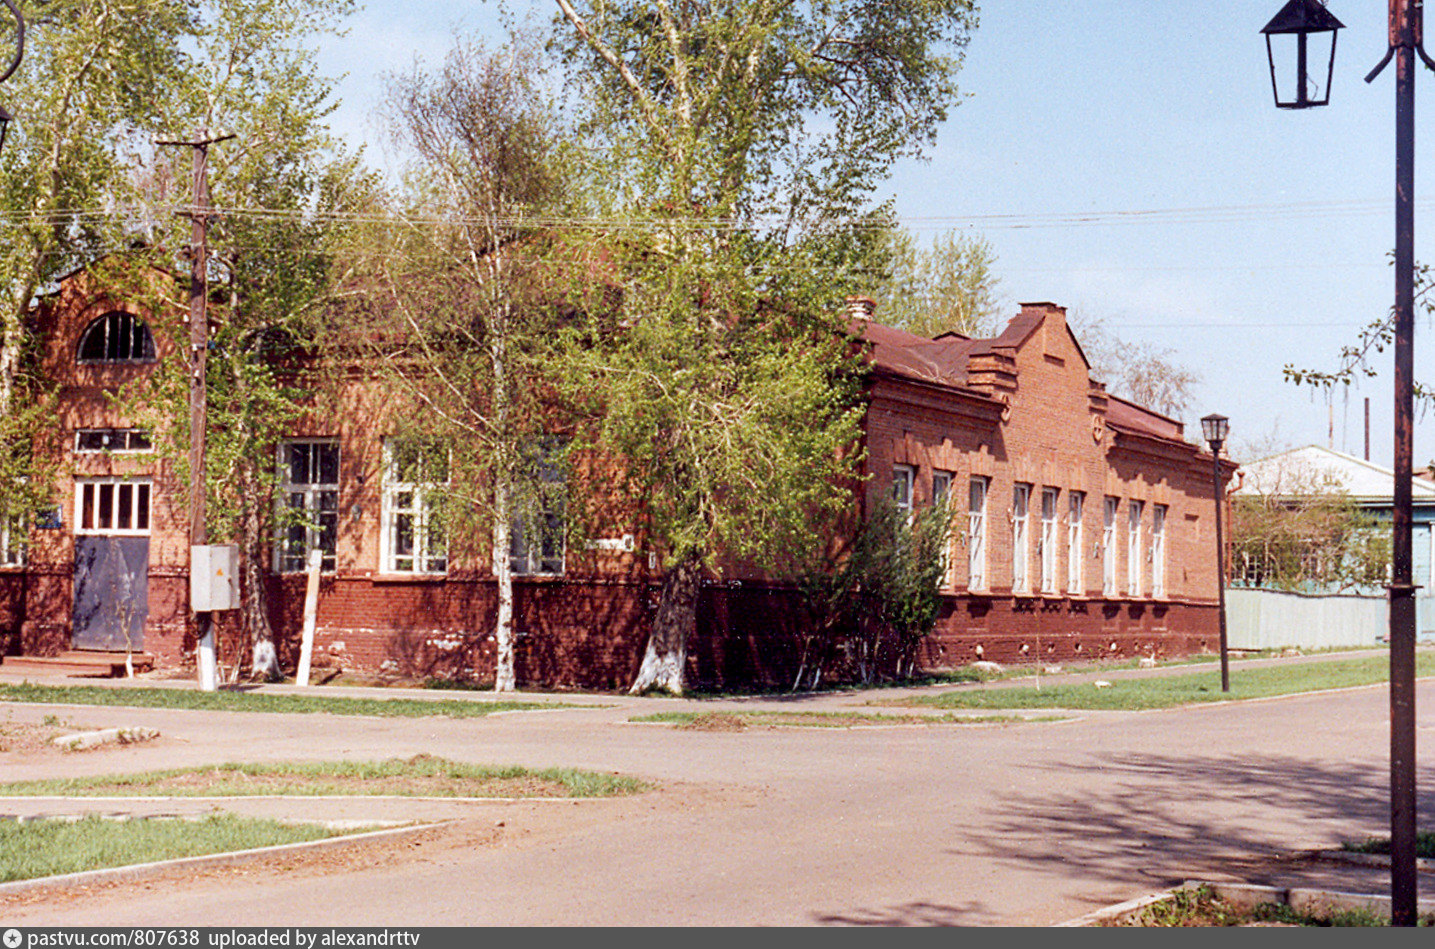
(1083, 526)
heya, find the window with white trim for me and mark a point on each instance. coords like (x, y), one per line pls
(1158, 550)
(309, 503)
(116, 336)
(412, 539)
(1134, 510)
(538, 528)
(977, 533)
(1108, 547)
(113, 440)
(1020, 534)
(903, 479)
(941, 486)
(1075, 507)
(112, 506)
(14, 538)
(1047, 544)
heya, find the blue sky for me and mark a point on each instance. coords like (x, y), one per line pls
(1126, 161)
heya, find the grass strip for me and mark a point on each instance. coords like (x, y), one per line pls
(1424, 845)
(1168, 691)
(1201, 906)
(45, 848)
(740, 721)
(420, 776)
(235, 700)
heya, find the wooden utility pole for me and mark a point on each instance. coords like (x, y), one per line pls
(199, 214)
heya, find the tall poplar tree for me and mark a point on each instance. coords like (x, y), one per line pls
(747, 138)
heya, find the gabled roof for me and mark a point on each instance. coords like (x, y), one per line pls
(945, 359)
(1300, 469)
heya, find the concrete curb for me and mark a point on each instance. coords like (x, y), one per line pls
(1247, 896)
(140, 871)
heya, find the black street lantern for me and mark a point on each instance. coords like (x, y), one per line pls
(1216, 428)
(1300, 25)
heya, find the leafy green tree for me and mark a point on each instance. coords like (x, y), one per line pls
(93, 77)
(283, 186)
(745, 142)
(947, 287)
(459, 313)
(1300, 531)
(877, 598)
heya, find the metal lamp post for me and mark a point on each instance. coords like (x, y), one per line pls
(1406, 43)
(1215, 428)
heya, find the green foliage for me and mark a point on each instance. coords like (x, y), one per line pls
(1168, 691)
(46, 848)
(1302, 532)
(237, 701)
(420, 775)
(948, 287)
(882, 597)
(1424, 845)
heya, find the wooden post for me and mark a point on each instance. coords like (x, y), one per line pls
(311, 615)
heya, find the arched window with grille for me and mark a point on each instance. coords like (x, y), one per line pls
(116, 336)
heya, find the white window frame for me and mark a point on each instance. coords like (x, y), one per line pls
(313, 497)
(414, 500)
(1075, 508)
(14, 541)
(941, 485)
(1020, 538)
(1158, 550)
(1047, 543)
(904, 479)
(114, 506)
(117, 441)
(1134, 511)
(977, 490)
(1108, 546)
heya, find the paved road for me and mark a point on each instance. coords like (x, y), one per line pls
(977, 825)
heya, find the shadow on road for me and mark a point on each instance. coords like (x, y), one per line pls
(910, 914)
(1151, 817)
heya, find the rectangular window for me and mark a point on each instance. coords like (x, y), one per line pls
(1075, 505)
(536, 533)
(1108, 547)
(112, 440)
(941, 486)
(903, 477)
(1133, 547)
(1047, 549)
(977, 534)
(309, 503)
(1158, 550)
(112, 506)
(413, 539)
(13, 536)
(1020, 527)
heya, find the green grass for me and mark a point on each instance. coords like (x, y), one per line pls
(1168, 691)
(1201, 906)
(1424, 845)
(739, 721)
(45, 848)
(232, 700)
(420, 776)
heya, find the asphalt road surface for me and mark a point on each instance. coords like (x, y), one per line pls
(1007, 824)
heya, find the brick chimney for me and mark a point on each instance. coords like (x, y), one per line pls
(861, 308)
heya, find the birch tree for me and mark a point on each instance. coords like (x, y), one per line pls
(455, 293)
(746, 140)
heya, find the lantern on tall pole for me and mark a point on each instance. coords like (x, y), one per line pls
(1304, 20)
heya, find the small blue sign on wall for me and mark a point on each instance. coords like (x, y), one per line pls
(52, 519)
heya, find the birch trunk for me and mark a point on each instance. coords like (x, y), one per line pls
(503, 676)
(665, 658)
